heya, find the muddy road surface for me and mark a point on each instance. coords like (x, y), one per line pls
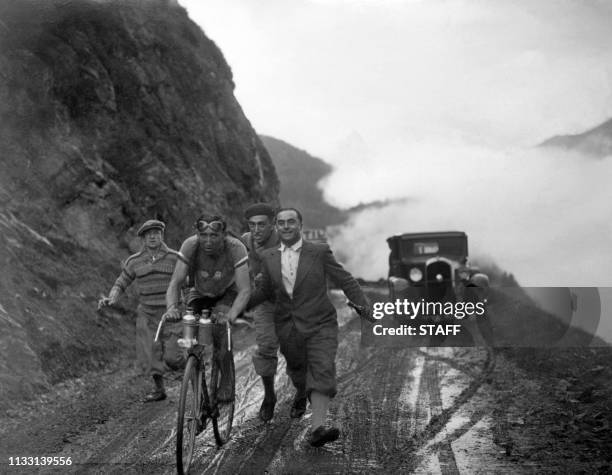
(400, 410)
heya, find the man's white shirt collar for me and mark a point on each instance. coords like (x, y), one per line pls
(294, 247)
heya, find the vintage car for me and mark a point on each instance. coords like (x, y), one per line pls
(433, 266)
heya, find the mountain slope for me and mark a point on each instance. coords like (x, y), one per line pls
(596, 142)
(299, 172)
(111, 112)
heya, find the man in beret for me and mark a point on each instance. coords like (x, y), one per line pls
(262, 236)
(151, 269)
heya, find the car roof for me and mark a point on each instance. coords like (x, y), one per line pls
(426, 235)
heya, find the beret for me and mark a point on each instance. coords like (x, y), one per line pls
(259, 209)
(151, 224)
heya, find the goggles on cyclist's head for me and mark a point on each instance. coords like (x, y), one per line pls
(216, 226)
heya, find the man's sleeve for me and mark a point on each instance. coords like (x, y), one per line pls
(343, 279)
(126, 277)
(187, 249)
(239, 252)
(246, 239)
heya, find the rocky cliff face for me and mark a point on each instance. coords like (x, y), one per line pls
(110, 113)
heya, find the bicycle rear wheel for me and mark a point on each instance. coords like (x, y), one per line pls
(189, 421)
(223, 398)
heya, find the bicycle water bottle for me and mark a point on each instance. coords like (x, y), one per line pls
(205, 324)
(190, 324)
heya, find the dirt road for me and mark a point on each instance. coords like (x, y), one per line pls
(406, 410)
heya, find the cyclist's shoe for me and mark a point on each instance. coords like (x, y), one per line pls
(155, 395)
(298, 408)
(266, 411)
(321, 436)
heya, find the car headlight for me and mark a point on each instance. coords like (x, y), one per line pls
(415, 274)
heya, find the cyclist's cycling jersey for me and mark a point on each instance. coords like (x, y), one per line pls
(213, 275)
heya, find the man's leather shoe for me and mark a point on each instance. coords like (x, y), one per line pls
(155, 395)
(298, 408)
(266, 411)
(321, 436)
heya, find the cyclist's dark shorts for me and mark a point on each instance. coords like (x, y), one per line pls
(223, 303)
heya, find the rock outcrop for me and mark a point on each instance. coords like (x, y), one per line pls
(111, 112)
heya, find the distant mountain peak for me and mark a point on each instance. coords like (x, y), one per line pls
(595, 142)
(299, 174)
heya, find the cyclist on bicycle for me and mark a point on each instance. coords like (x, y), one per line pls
(217, 266)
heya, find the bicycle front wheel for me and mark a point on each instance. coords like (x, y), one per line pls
(223, 391)
(189, 422)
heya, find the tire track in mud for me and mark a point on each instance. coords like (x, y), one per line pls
(134, 424)
(450, 362)
(446, 457)
(375, 415)
(426, 432)
(362, 391)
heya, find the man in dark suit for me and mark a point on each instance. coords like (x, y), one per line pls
(294, 276)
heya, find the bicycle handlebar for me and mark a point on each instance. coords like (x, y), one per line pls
(237, 322)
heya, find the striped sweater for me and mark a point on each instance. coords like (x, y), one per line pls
(152, 275)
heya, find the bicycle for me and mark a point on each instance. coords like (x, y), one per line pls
(199, 399)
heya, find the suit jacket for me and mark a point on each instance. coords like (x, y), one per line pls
(310, 307)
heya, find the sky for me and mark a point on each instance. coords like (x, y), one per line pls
(439, 102)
